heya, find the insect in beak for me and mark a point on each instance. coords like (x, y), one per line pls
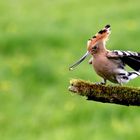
(79, 61)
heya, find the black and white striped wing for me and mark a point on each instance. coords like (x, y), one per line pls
(132, 59)
(125, 53)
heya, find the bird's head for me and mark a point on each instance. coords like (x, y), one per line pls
(95, 44)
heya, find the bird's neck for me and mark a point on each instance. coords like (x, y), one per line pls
(101, 46)
(101, 49)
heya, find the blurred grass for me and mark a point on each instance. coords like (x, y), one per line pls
(38, 41)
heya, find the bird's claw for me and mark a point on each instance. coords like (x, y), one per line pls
(100, 83)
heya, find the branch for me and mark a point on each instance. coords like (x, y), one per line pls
(106, 93)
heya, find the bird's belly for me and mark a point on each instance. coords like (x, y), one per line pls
(105, 69)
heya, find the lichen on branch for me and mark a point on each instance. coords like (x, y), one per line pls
(122, 95)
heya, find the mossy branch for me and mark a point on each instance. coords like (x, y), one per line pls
(106, 93)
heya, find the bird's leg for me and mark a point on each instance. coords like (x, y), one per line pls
(102, 83)
(120, 84)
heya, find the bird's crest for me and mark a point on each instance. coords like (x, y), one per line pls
(102, 35)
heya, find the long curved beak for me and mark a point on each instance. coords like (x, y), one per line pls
(79, 61)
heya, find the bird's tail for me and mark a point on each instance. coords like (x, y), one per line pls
(133, 74)
(126, 77)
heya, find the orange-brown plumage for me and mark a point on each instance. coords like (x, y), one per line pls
(110, 65)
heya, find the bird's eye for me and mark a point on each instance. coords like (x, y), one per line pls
(94, 47)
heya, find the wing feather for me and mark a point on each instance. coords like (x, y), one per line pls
(132, 59)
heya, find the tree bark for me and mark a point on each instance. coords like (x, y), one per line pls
(122, 95)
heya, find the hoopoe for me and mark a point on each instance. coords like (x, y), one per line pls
(110, 65)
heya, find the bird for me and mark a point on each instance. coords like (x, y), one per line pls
(110, 65)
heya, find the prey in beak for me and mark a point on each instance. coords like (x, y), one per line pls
(79, 61)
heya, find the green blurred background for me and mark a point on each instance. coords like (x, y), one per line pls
(39, 39)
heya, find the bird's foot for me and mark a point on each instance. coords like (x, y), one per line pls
(100, 83)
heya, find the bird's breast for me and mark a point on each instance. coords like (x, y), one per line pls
(105, 67)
